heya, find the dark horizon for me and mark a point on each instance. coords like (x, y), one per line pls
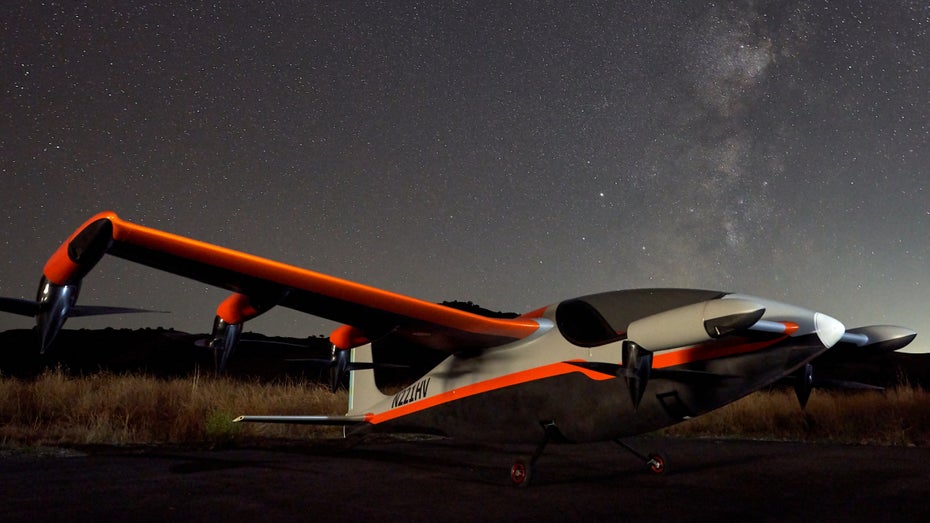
(166, 352)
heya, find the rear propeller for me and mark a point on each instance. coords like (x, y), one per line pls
(339, 366)
(223, 342)
(637, 367)
(227, 336)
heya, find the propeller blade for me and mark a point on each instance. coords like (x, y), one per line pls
(637, 367)
(55, 304)
(102, 310)
(223, 342)
(844, 385)
(19, 306)
(338, 368)
(804, 384)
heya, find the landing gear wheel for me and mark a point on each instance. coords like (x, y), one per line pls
(521, 474)
(656, 463)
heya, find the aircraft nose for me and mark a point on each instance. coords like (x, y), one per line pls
(828, 329)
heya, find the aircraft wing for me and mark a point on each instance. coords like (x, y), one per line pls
(260, 284)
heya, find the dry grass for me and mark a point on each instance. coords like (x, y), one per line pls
(899, 416)
(108, 409)
(58, 409)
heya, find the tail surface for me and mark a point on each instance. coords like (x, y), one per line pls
(363, 392)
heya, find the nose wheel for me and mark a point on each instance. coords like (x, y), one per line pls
(656, 463)
(521, 473)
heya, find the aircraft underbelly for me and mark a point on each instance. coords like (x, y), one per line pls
(584, 409)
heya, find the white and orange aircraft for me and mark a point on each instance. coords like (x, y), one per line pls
(595, 368)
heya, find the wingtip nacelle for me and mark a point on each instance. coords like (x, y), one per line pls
(75, 258)
(61, 278)
(879, 338)
(692, 324)
(54, 303)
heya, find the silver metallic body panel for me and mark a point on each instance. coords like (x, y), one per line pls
(507, 393)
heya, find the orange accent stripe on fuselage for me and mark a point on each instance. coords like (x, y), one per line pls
(669, 359)
(546, 371)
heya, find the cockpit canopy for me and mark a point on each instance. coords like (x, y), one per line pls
(603, 318)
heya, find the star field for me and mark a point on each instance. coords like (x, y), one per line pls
(512, 156)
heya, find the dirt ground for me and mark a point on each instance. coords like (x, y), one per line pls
(442, 480)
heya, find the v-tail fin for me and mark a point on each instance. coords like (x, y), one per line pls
(363, 391)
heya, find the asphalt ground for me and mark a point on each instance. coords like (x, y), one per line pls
(442, 480)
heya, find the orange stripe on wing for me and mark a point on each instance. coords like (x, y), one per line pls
(60, 269)
(517, 378)
(316, 282)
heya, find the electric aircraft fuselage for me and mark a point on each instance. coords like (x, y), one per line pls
(595, 368)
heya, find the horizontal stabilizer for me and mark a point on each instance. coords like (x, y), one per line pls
(304, 420)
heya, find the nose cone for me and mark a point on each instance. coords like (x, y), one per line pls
(828, 329)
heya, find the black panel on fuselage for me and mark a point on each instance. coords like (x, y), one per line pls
(602, 318)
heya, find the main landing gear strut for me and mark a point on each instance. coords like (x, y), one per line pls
(521, 472)
(654, 461)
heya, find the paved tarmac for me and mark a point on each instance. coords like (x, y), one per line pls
(441, 480)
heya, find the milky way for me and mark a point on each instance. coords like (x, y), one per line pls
(511, 156)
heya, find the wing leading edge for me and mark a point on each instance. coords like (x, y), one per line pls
(260, 283)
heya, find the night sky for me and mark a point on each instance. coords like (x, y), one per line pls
(511, 156)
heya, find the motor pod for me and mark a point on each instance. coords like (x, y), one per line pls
(693, 324)
(55, 302)
(67, 266)
(223, 341)
(338, 366)
(879, 338)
